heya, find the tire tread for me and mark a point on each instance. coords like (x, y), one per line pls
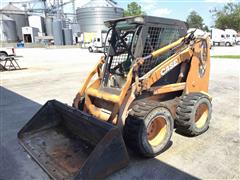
(184, 113)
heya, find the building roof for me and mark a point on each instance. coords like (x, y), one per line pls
(11, 9)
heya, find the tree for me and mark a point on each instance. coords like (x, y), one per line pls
(133, 9)
(194, 20)
(228, 17)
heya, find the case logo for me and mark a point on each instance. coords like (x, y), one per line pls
(168, 68)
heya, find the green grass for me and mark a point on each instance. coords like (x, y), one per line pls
(227, 56)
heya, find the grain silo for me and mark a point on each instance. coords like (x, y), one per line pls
(18, 15)
(67, 36)
(49, 26)
(57, 32)
(92, 15)
(8, 31)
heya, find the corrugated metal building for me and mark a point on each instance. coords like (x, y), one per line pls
(17, 15)
(67, 36)
(37, 22)
(8, 31)
(49, 26)
(29, 34)
(57, 32)
(92, 15)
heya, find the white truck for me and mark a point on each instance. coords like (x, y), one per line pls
(7, 51)
(219, 37)
(231, 34)
(98, 43)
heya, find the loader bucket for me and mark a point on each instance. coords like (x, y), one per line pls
(70, 144)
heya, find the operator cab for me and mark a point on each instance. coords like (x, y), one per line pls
(133, 37)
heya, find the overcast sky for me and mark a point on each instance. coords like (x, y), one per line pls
(178, 9)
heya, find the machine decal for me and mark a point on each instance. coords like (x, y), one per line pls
(168, 68)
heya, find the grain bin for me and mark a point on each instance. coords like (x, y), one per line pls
(18, 15)
(49, 26)
(67, 36)
(76, 31)
(8, 31)
(57, 32)
(92, 15)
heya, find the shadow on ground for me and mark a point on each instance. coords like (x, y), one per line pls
(141, 169)
(16, 111)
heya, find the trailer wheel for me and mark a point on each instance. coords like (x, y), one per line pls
(90, 49)
(193, 114)
(148, 128)
(227, 44)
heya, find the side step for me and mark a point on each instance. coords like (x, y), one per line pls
(70, 144)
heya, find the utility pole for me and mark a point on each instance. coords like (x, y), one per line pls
(61, 5)
(25, 13)
(74, 11)
(45, 8)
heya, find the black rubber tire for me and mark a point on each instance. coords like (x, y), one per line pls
(90, 49)
(80, 103)
(3, 54)
(186, 110)
(135, 129)
(228, 44)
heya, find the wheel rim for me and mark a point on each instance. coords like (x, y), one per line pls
(203, 58)
(201, 115)
(157, 131)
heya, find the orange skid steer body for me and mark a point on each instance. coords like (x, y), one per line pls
(154, 76)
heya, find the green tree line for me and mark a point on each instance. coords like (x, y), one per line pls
(227, 17)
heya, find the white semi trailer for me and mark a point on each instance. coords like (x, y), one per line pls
(231, 33)
(219, 37)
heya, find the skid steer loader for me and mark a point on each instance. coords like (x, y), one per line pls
(153, 77)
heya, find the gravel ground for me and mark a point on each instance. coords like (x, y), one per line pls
(58, 74)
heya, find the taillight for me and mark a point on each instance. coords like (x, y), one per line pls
(13, 51)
